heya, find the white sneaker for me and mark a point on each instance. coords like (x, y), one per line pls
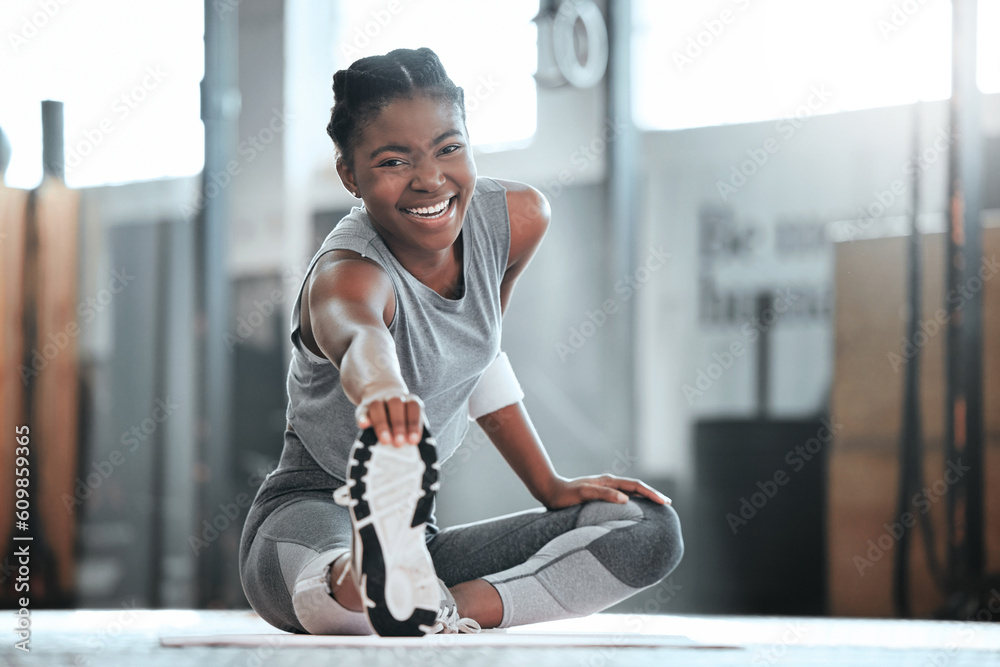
(390, 493)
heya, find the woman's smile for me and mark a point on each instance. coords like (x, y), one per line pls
(432, 216)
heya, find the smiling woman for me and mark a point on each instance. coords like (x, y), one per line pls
(396, 331)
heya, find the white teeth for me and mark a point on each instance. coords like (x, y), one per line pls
(430, 210)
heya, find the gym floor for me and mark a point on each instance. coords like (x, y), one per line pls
(113, 638)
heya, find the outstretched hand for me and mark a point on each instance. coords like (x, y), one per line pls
(614, 489)
(396, 416)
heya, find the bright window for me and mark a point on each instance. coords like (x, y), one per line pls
(128, 74)
(738, 61)
(488, 48)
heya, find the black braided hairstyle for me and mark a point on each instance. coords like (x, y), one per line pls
(370, 84)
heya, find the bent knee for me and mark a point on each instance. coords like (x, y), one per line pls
(646, 551)
(667, 543)
(263, 585)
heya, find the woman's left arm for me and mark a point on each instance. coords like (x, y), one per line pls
(529, 215)
(512, 433)
(509, 428)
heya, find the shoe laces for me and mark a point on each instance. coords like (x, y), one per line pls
(342, 495)
(448, 622)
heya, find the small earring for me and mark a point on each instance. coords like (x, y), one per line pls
(356, 195)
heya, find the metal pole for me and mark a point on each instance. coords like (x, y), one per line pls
(910, 445)
(158, 440)
(963, 434)
(765, 300)
(622, 192)
(53, 143)
(219, 111)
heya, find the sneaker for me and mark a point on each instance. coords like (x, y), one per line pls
(390, 493)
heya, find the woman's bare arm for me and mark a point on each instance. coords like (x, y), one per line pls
(348, 303)
(510, 428)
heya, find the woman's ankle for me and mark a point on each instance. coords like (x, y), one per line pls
(342, 586)
(478, 600)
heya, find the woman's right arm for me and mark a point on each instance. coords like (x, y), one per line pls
(350, 301)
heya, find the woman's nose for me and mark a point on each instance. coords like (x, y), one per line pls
(427, 176)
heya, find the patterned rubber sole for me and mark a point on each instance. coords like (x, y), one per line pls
(398, 581)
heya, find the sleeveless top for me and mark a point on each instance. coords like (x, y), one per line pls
(443, 345)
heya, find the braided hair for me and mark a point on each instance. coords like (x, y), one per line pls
(370, 84)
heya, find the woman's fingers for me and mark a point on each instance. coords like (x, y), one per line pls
(640, 489)
(396, 420)
(634, 486)
(602, 492)
(610, 488)
(644, 489)
(615, 496)
(414, 419)
(378, 419)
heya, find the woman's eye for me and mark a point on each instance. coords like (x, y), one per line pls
(392, 162)
(450, 149)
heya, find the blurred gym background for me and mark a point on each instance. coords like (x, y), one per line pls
(766, 289)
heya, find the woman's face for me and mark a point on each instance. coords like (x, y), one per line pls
(413, 167)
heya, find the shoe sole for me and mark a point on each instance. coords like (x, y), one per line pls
(398, 582)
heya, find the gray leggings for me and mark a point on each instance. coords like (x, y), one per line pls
(545, 564)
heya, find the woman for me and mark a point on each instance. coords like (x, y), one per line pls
(396, 331)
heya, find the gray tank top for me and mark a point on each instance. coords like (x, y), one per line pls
(443, 345)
